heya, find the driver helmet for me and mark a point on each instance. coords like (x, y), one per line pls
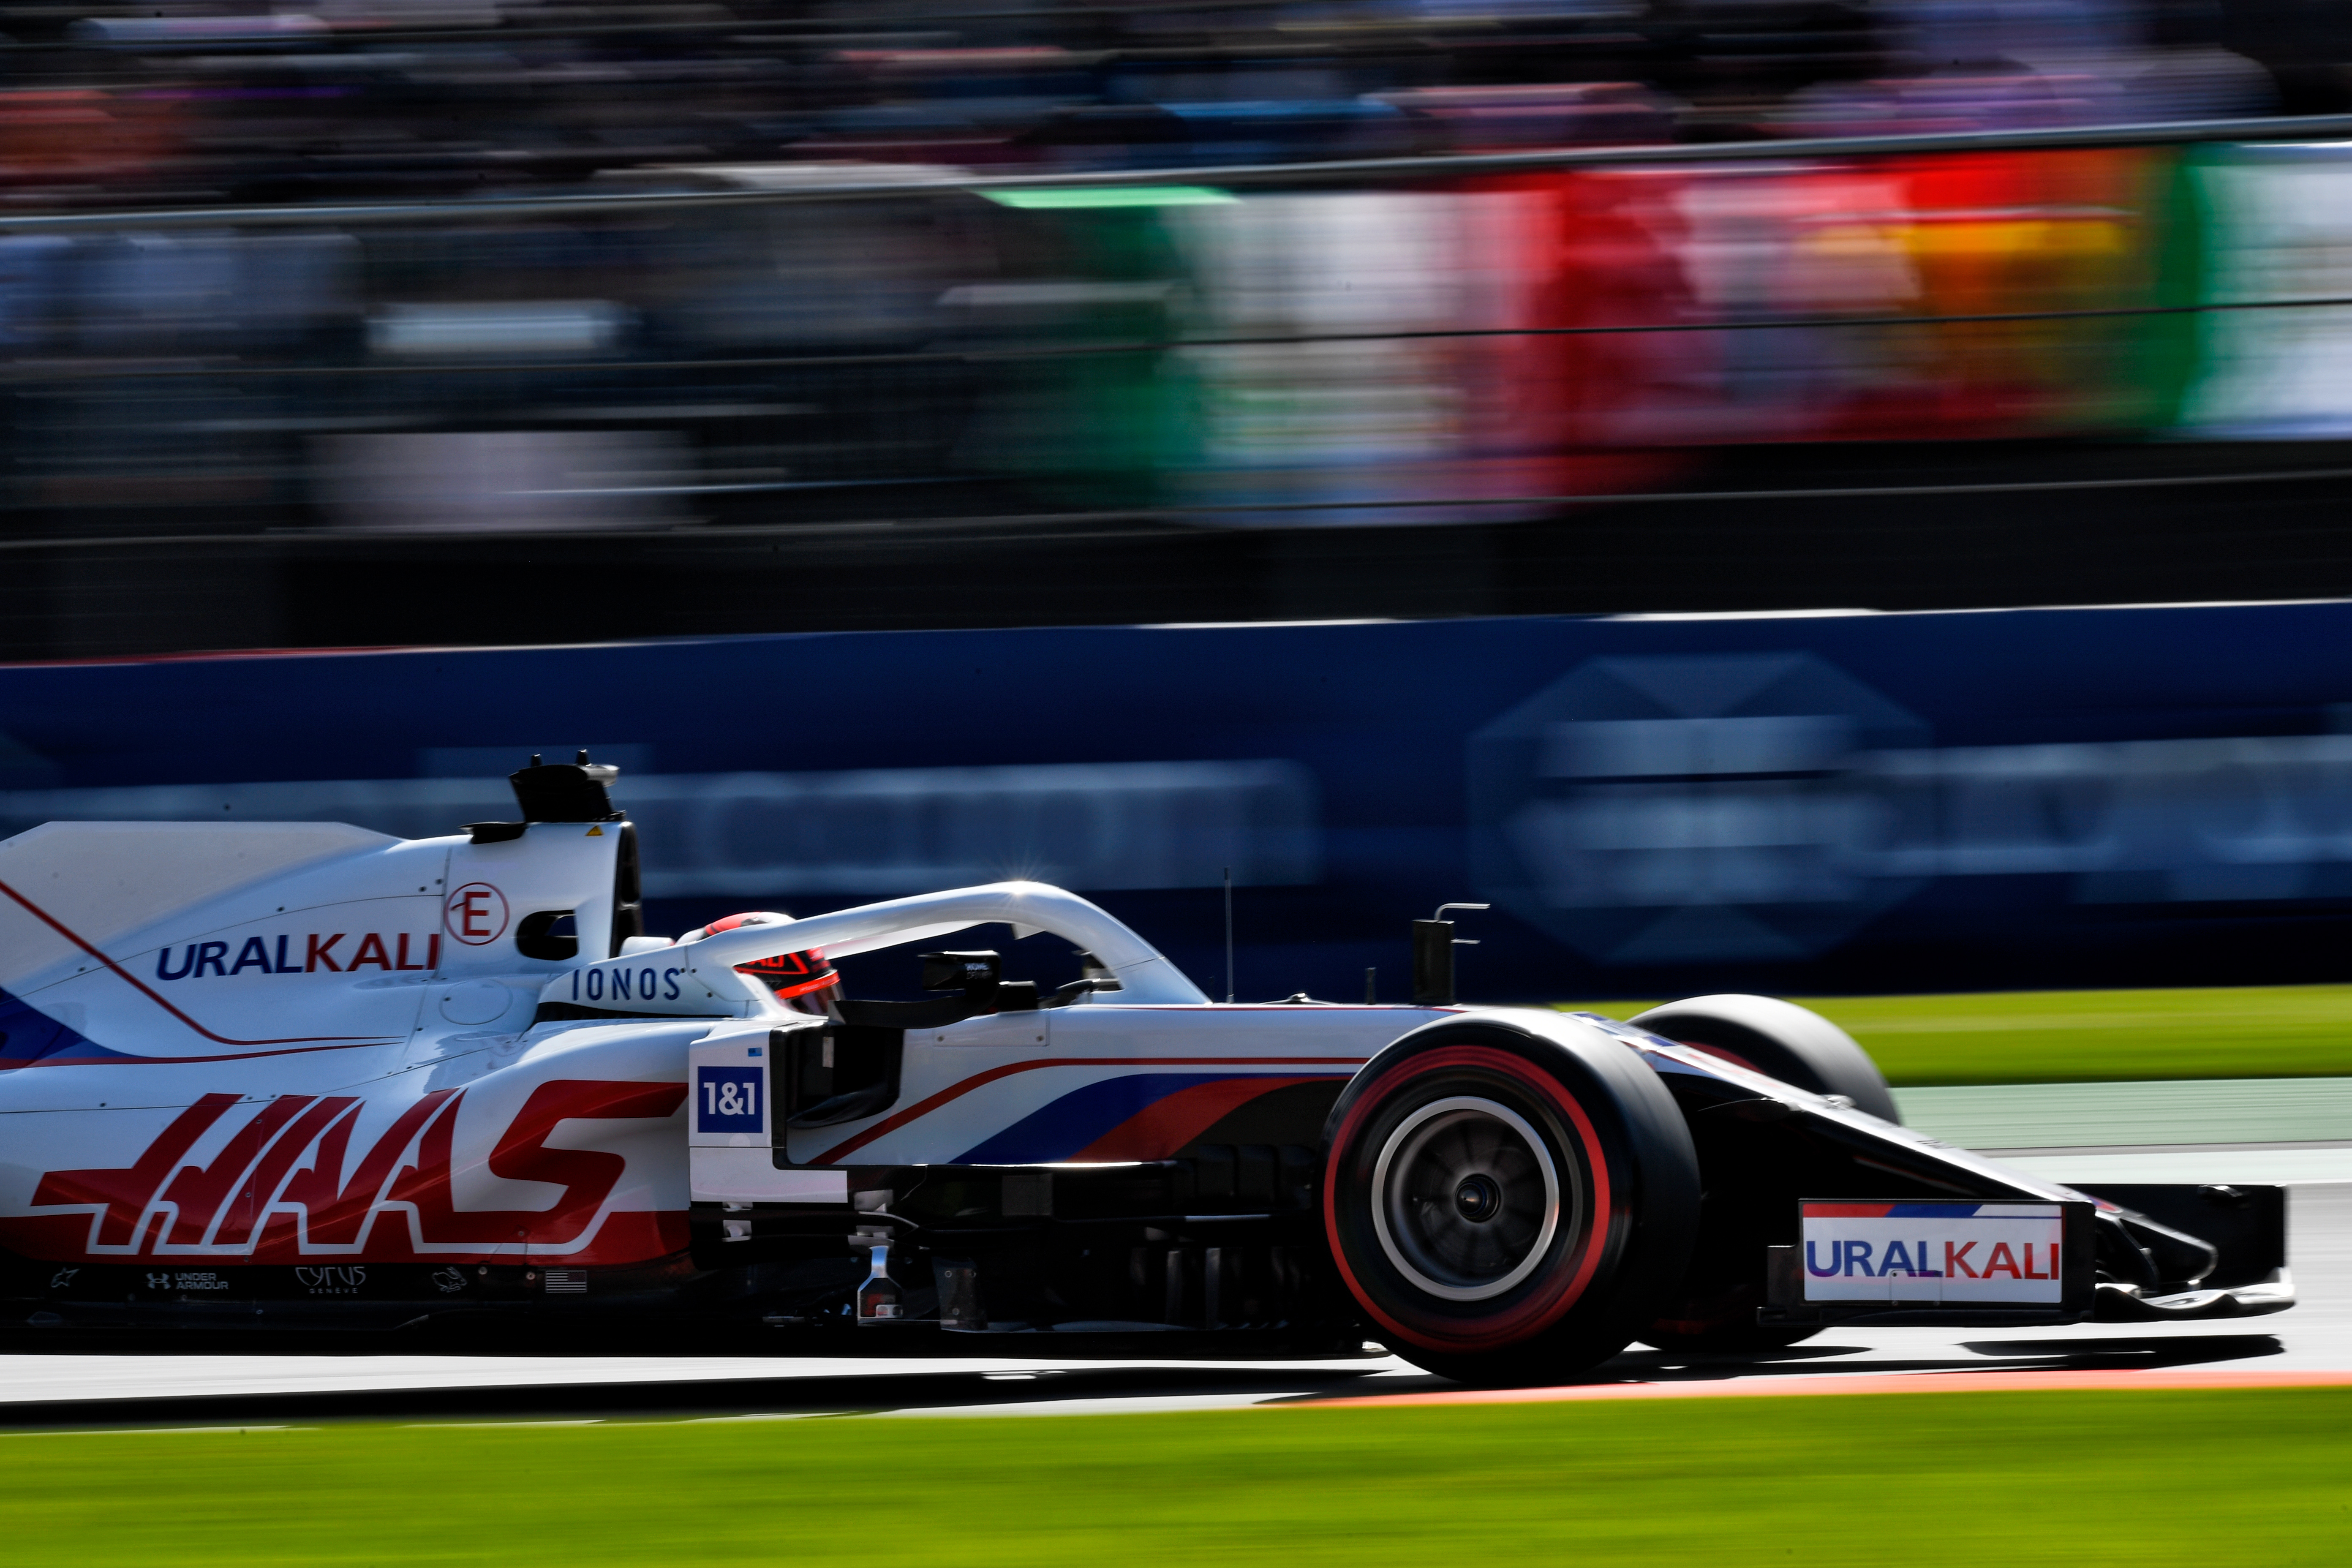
(806, 977)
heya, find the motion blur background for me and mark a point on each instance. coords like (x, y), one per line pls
(465, 324)
(374, 321)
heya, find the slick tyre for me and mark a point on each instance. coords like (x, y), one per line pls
(1507, 1205)
(1778, 1039)
(1716, 1311)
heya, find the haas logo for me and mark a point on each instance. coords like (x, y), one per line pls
(277, 1189)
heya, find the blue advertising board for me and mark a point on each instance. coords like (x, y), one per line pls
(1832, 802)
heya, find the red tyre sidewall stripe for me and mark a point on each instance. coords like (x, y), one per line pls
(1537, 1315)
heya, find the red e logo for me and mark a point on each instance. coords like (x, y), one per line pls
(476, 913)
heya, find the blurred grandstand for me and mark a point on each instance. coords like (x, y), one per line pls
(461, 321)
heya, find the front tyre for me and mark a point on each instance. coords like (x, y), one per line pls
(1716, 1309)
(1778, 1039)
(1509, 1205)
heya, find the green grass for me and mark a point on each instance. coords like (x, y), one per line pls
(2074, 1037)
(2125, 1477)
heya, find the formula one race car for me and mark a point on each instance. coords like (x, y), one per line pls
(303, 1075)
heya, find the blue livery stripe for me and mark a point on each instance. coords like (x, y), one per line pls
(28, 1036)
(1060, 1128)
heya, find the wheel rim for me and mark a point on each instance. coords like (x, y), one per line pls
(1465, 1198)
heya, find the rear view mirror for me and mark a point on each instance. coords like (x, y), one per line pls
(974, 973)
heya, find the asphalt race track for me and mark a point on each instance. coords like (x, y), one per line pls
(171, 1387)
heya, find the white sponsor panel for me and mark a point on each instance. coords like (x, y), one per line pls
(731, 1158)
(749, 1176)
(1959, 1253)
(729, 1081)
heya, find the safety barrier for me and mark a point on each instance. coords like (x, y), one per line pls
(1837, 802)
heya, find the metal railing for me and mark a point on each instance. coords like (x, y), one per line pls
(1441, 166)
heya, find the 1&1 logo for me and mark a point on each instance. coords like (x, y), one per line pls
(727, 1099)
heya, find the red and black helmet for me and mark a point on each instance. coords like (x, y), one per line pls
(788, 974)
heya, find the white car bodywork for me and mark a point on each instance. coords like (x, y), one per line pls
(278, 1043)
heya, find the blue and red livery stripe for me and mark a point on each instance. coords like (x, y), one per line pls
(1135, 1116)
(1223, 1067)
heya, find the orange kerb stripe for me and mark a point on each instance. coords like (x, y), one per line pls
(1852, 1383)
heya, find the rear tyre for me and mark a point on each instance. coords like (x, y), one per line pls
(1509, 1206)
(1778, 1039)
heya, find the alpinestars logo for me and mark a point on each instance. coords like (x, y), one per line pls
(276, 1192)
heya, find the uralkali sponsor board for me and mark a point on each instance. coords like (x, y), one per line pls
(1956, 1253)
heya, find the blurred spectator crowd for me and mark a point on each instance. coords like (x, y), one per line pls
(351, 98)
(1255, 354)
